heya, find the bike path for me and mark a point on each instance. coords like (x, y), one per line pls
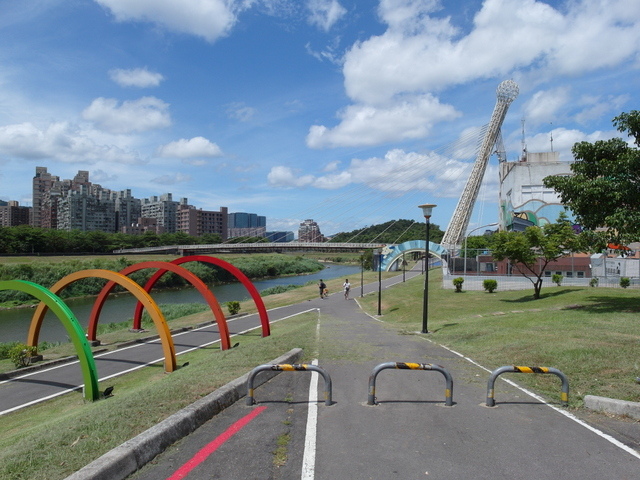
(408, 434)
(50, 381)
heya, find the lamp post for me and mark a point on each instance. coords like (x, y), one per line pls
(426, 211)
(379, 257)
(361, 274)
(465, 244)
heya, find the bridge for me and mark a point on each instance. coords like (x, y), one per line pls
(259, 247)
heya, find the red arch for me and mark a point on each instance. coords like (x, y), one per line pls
(236, 272)
(162, 267)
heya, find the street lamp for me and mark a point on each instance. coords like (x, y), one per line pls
(465, 243)
(426, 211)
(361, 274)
(378, 253)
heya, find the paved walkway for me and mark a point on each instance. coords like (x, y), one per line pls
(409, 433)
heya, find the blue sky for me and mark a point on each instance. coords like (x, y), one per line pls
(348, 112)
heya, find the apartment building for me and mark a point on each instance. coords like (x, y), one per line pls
(12, 214)
(309, 231)
(197, 222)
(164, 209)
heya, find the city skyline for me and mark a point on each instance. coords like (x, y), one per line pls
(296, 108)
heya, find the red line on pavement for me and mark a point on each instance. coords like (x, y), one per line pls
(207, 450)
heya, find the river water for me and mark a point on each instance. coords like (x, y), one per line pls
(14, 323)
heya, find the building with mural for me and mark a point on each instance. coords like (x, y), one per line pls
(524, 200)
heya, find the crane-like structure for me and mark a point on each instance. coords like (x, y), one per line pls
(506, 92)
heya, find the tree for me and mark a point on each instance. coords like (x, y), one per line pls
(605, 186)
(532, 250)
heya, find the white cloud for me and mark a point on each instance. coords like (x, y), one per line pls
(146, 113)
(365, 124)
(190, 148)
(544, 106)
(392, 78)
(137, 77)
(285, 177)
(209, 19)
(325, 13)
(171, 179)
(60, 141)
(564, 139)
(398, 172)
(240, 111)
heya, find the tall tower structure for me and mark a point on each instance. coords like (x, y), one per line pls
(506, 92)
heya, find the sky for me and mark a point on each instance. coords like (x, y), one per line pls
(348, 112)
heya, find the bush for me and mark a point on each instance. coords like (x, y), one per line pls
(557, 279)
(593, 282)
(280, 289)
(490, 285)
(21, 354)
(233, 307)
(625, 282)
(457, 282)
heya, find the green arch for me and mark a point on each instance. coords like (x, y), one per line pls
(71, 324)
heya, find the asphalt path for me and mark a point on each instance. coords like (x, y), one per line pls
(49, 382)
(408, 434)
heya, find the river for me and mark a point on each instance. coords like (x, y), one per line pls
(14, 323)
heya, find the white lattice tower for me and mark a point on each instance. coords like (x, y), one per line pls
(506, 92)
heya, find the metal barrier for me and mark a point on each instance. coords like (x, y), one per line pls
(410, 366)
(499, 371)
(289, 368)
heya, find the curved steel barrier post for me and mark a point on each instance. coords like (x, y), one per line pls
(410, 366)
(289, 368)
(512, 368)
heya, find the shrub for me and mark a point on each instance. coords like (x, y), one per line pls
(457, 282)
(557, 279)
(233, 307)
(490, 285)
(593, 282)
(625, 282)
(21, 354)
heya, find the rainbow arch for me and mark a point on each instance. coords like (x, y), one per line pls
(236, 272)
(162, 267)
(72, 326)
(168, 347)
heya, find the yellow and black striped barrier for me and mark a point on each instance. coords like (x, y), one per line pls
(410, 366)
(515, 369)
(289, 368)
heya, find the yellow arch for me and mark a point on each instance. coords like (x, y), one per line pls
(135, 289)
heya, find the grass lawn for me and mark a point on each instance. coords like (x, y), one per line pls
(590, 334)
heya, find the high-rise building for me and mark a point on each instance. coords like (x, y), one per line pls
(128, 209)
(89, 208)
(163, 209)
(197, 222)
(12, 214)
(280, 237)
(309, 231)
(243, 224)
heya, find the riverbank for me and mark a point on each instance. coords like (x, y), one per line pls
(43, 272)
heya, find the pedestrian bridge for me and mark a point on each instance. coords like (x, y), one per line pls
(391, 254)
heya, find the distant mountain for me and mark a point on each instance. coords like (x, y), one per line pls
(391, 232)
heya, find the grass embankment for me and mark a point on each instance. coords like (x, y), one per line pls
(590, 334)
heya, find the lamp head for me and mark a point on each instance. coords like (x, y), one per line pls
(426, 209)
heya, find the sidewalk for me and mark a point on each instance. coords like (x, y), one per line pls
(410, 433)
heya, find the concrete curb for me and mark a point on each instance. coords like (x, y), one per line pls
(122, 461)
(610, 405)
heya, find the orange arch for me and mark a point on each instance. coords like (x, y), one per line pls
(212, 301)
(142, 296)
(236, 272)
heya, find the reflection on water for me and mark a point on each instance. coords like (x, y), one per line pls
(14, 323)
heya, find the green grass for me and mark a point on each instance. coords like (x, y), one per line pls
(592, 335)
